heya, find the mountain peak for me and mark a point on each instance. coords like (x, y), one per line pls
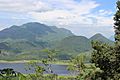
(32, 23)
(98, 35)
(31, 30)
(101, 38)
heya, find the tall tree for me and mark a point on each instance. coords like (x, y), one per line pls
(117, 23)
(117, 36)
(103, 57)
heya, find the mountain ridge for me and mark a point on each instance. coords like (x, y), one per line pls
(34, 36)
(21, 37)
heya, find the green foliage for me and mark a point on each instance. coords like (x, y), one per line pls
(10, 74)
(50, 58)
(117, 37)
(38, 75)
(104, 57)
(82, 70)
(40, 70)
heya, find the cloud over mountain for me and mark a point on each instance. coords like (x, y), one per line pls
(61, 13)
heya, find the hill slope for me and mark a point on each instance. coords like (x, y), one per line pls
(31, 35)
(31, 31)
(101, 38)
(30, 38)
(74, 44)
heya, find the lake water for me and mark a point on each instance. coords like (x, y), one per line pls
(21, 67)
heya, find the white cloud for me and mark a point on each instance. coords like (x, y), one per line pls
(101, 20)
(62, 13)
(23, 5)
(67, 12)
(59, 12)
(104, 12)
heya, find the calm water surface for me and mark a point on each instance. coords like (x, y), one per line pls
(21, 67)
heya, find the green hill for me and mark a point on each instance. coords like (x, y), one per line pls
(33, 31)
(31, 35)
(74, 45)
(67, 47)
(28, 39)
(101, 38)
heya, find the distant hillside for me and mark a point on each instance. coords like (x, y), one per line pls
(101, 38)
(4, 46)
(31, 35)
(74, 44)
(67, 47)
(32, 31)
(59, 34)
(30, 38)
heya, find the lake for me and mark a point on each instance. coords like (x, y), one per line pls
(21, 67)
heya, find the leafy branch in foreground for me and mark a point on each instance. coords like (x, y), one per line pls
(50, 58)
(47, 67)
(10, 74)
(81, 70)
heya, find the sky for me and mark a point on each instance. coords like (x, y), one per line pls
(82, 17)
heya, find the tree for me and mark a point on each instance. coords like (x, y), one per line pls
(10, 74)
(83, 71)
(47, 67)
(106, 57)
(117, 36)
(50, 58)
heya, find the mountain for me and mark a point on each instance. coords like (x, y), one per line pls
(74, 45)
(29, 39)
(31, 35)
(31, 31)
(101, 38)
(58, 35)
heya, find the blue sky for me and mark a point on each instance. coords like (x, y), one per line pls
(82, 17)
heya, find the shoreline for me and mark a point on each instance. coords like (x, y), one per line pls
(27, 61)
(17, 61)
